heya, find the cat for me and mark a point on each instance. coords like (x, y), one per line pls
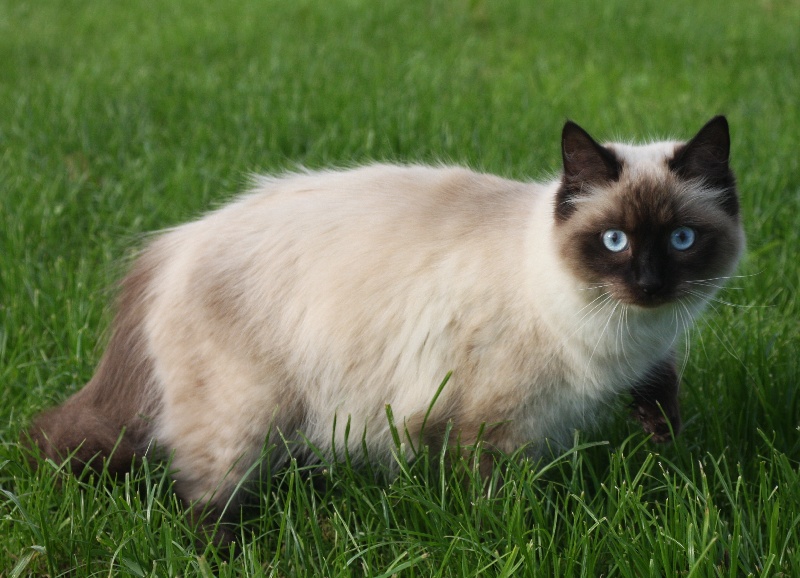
(321, 298)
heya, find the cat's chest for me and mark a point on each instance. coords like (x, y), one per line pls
(612, 352)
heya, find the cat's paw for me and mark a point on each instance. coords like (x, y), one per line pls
(209, 529)
(662, 426)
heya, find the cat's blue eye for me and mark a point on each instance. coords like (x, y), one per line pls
(615, 240)
(682, 238)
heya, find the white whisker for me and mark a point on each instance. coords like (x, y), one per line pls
(725, 343)
(731, 277)
(596, 286)
(602, 333)
(687, 323)
(713, 285)
(722, 301)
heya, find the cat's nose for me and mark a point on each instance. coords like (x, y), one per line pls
(650, 285)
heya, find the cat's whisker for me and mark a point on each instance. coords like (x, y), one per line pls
(602, 297)
(707, 282)
(618, 344)
(623, 323)
(593, 312)
(627, 324)
(595, 306)
(728, 277)
(595, 286)
(585, 380)
(699, 334)
(711, 299)
(591, 303)
(687, 323)
(677, 323)
(602, 333)
(716, 331)
(714, 286)
(683, 323)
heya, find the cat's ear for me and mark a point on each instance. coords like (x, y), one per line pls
(705, 157)
(585, 163)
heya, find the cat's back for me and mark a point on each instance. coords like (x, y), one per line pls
(361, 221)
(326, 249)
(380, 194)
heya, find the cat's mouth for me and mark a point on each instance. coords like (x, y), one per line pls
(645, 299)
(649, 302)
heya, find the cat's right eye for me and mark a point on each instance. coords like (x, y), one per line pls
(615, 240)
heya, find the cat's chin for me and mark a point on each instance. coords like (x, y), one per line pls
(647, 302)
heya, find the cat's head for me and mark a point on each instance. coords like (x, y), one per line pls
(649, 224)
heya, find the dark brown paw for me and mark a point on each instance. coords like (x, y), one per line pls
(655, 423)
(209, 528)
(219, 535)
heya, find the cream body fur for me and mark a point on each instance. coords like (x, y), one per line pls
(323, 297)
(336, 313)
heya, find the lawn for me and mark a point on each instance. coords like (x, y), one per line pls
(121, 119)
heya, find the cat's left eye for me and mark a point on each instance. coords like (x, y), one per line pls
(682, 238)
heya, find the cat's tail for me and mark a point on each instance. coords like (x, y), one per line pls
(110, 420)
(80, 433)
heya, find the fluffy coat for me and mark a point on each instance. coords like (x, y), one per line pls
(323, 297)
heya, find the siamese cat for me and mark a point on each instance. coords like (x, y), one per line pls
(321, 298)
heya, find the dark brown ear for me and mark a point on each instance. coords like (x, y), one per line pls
(705, 157)
(585, 163)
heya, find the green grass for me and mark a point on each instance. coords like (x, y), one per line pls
(119, 119)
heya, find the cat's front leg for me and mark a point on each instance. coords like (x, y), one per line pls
(655, 401)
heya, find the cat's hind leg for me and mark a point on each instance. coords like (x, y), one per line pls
(222, 423)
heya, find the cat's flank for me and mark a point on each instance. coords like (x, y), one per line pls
(323, 297)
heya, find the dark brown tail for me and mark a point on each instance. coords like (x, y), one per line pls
(80, 432)
(109, 420)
